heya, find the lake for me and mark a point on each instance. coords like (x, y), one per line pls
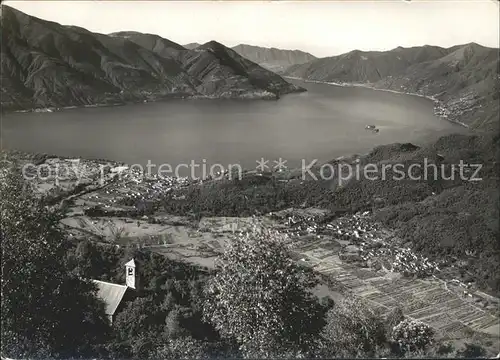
(323, 123)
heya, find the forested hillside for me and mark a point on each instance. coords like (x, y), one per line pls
(257, 302)
(464, 78)
(48, 65)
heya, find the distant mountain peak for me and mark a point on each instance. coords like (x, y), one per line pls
(273, 58)
(474, 46)
(191, 46)
(213, 45)
(147, 40)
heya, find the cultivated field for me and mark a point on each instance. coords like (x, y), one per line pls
(353, 254)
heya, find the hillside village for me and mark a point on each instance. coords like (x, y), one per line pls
(352, 252)
(103, 260)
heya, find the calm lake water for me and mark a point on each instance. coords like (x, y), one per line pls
(324, 123)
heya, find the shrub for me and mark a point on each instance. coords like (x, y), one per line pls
(412, 335)
(353, 329)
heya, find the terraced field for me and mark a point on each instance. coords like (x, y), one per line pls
(429, 300)
(354, 254)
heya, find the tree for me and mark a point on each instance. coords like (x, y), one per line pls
(353, 329)
(46, 311)
(173, 326)
(140, 316)
(394, 317)
(260, 297)
(181, 348)
(471, 351)
(412, 335)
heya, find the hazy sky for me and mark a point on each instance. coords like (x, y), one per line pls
(321, 27)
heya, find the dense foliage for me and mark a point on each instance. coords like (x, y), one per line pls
(41, 300)
(259, 297)
(257, 303)
(459, 222)
(353, 329)
(167, 305)
(412, 335)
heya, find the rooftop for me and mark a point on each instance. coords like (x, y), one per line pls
(111, 294)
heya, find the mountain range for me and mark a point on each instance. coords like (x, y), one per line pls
(277, 60)
(48, 65)
(464, 79)
(272, 58)
(191, 46)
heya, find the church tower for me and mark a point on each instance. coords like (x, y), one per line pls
(130, 276)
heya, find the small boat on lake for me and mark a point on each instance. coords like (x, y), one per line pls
(372, 128)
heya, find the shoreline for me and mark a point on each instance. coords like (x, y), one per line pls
(89, 106)
(439, 107)
(260, 95)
